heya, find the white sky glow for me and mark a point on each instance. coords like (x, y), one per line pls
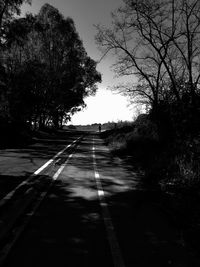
(105, 106)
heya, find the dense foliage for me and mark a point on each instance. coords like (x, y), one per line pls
(45, 70)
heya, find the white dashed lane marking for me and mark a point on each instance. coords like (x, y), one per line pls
(112, 239)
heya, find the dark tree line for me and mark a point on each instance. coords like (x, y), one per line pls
(45, 72)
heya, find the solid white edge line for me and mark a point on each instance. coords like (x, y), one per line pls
(11, 193)
(112, 239)
(55, 177)
(43, 167)
(4, 253)
(51, 160)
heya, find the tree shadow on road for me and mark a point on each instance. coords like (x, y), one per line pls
(68, 229)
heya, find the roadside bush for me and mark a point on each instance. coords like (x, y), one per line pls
(169, 161)
(139, 139)
(181, 168)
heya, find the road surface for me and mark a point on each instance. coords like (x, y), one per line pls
(96, 211)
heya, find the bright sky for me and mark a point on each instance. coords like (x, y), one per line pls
(105, 106)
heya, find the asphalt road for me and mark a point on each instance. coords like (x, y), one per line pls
(97, 213)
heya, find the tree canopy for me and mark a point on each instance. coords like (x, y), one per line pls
(46, 70)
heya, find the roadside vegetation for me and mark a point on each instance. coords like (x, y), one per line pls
(156, 43)
(167, 162)
(170, 167)
(45, 72)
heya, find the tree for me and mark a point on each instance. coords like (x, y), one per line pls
(8, 8)
(73, 74)
(158, 42)
(48, 70)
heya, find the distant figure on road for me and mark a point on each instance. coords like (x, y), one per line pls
(99, 127)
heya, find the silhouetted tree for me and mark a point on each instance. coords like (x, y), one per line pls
(158, 42)
(8, 8)
(48, 70)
